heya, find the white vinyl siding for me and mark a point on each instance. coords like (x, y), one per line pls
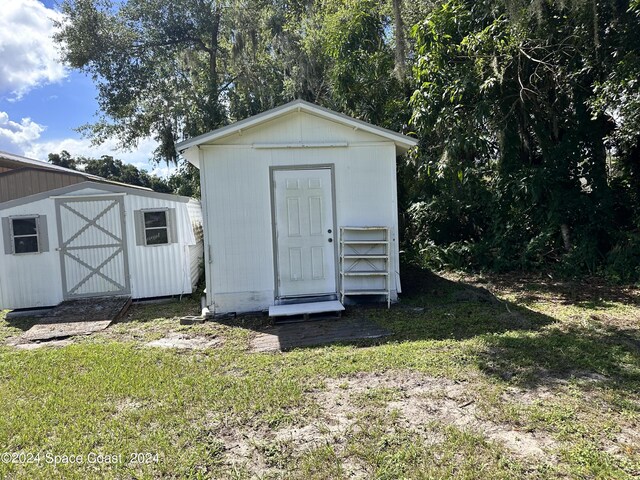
(235, 183)
(159, 270)
(35, 280)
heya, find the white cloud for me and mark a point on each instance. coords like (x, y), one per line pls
(140, 157)
(18, 134)
(28, 55)
(23, 138)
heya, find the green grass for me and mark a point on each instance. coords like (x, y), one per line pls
(537, 359)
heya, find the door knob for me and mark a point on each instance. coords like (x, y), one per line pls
(330, 240)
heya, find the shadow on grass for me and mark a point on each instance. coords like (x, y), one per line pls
(514, 343)
(435, 308)
(589, 292)
(552, 355)
(519, 345)
(169, 308)
(22, 322)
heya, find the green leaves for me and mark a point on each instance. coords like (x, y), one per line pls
(177, 69)
(530, 99)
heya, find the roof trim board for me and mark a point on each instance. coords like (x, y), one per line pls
(30, 163)
(97, 185)
(402, 141)
(26, 169)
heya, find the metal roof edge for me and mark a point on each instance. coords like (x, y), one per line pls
(398, 138)
(110, 187)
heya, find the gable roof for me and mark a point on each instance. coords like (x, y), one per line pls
(105, 186)
(14, 162)
(403, 142)
(17, 164)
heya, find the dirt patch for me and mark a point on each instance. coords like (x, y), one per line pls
(182, 341)
(128, 405)
(417, 402)
(36, 345)
(423, 400)
(548, 384)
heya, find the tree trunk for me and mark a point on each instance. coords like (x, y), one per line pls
(212, 114)
(400, 41)
(213, 49)
(566, 239)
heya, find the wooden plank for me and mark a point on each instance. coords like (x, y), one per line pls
(288, 336)
(305, 308)
(78, 317)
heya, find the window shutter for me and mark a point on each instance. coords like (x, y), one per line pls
(172, 225)
(43, 234)
(138, 218)
(6, 235)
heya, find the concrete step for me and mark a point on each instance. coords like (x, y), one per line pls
(305, 309)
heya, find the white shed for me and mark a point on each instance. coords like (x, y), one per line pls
(299, 204)
(68, 235)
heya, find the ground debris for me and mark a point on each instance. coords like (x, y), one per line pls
(183, 341)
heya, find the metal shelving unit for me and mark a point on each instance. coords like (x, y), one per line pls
(364, 262)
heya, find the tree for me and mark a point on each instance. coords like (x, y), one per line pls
(506, 105)
(113, 169)
(62, 159)
(153, 62)
(172, 70)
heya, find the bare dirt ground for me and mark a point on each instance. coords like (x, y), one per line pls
(417, 402)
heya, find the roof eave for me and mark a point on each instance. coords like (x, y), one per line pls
(402, 141)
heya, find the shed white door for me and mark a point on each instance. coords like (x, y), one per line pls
(304, 226)
(92, 246)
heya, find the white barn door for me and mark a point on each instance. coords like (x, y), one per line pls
(92, 246)
(304, 232)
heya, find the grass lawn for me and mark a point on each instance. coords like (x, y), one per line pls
(495, 377)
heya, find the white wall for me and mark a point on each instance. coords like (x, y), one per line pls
(34, 280)
(159, 270)
(235, 181)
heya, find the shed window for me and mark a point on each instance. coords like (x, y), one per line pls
(156, 230)
(25, 235)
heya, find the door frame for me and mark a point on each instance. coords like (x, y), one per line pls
(119, 198)
(274, 233)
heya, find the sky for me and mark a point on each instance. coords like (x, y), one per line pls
(42, 102)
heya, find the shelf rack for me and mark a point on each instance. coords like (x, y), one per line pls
(364, 262)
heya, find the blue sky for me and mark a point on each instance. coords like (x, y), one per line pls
(41, 101)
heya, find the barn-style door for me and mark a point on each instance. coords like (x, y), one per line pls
(92, 240)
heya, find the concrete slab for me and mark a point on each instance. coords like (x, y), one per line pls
(282, 337)
(78, 317)
(182, 341)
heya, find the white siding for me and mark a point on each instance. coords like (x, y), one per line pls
(236, 185)
(159, 270)
(35, 280)
(300, 127)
